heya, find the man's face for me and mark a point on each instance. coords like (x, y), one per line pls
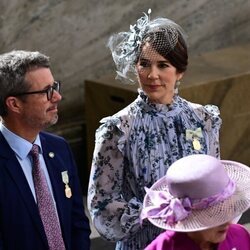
(37, 111)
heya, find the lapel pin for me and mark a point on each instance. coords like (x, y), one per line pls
(51, 154)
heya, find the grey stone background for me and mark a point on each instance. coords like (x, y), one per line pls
(74, 33)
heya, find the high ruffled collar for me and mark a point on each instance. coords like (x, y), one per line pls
(148, 106)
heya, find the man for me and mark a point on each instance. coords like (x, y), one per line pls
(41, 205)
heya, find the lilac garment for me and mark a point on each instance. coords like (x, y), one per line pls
(238, 238)
(133, 149)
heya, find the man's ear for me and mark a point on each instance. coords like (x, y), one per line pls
(13, 104)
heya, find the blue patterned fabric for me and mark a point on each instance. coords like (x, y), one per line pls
(133, 149)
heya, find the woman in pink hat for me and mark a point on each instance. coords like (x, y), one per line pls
(196, 203)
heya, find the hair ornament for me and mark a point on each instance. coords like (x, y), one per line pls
(137, 30)
(124, 46)
(161, 33)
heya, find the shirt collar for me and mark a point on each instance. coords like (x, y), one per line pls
(19, 145)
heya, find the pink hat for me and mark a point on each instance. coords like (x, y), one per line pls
(197, 193)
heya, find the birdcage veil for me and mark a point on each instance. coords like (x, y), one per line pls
(126, 47)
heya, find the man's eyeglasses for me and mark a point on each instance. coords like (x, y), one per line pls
(49, 91)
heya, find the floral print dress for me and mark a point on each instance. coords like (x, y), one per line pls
(133, 149)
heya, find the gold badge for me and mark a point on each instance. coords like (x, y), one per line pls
(195, 136)
(196, 144)
(68, 192)
(65, 179)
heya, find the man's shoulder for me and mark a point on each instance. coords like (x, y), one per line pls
(50, 141)
(48, 136)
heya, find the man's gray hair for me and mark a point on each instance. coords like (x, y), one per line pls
(13, 67)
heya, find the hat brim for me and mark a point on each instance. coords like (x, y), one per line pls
(225, 211)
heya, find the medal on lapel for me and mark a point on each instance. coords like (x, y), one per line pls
(196, 144)
(68, 192)
(195, 136)
(65, 179)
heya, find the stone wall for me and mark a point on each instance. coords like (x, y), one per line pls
(74, 33)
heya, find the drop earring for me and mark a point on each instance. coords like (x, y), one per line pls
(176, 87)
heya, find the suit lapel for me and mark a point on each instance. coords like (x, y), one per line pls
(10, 162)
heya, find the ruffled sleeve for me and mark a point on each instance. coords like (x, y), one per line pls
(114, 217)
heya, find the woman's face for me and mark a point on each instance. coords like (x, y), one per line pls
(156, 76)
(210, 236)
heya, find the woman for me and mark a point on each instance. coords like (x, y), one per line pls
(195, 203)
(136, 146)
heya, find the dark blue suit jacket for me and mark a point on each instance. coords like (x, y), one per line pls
(20, 223)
